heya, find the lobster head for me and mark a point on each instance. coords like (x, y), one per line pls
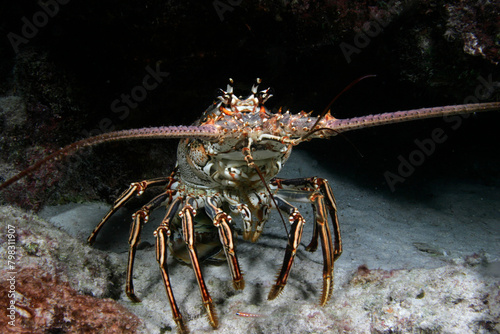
(254, 102)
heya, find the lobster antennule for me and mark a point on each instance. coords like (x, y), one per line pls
(343, 125)
(327, 109)
(206, 132)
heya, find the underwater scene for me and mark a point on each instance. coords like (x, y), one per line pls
(250, 166)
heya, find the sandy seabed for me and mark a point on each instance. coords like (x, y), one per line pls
(407, 267)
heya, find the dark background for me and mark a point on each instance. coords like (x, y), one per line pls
(91, 52)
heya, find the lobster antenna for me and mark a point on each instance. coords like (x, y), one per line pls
(204, 132)
(257, 169)
(250, 162)
(325, 111)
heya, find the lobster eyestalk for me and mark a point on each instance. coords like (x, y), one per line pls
(331, 126)
(206, 132)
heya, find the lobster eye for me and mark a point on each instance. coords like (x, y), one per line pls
(269, 91)
(219, 92)
(224, 96)
(264, 95)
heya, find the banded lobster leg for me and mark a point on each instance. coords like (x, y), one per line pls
(318, 192)
(138, 220)
(291, 248)
(136, 188)
(187, 214)
(162, 235)
(222, 221)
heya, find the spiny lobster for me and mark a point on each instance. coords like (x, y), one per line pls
(228, 161)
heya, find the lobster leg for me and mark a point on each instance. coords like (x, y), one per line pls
(321, 222)
(162, 235)
(324, 187)
(138, 220)
(322, 199)
(291, 248)
(136, 188)
(187, 214)
(222, 220)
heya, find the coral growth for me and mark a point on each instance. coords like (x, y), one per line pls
(476, 24)
(45, 304)
(55, 282)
